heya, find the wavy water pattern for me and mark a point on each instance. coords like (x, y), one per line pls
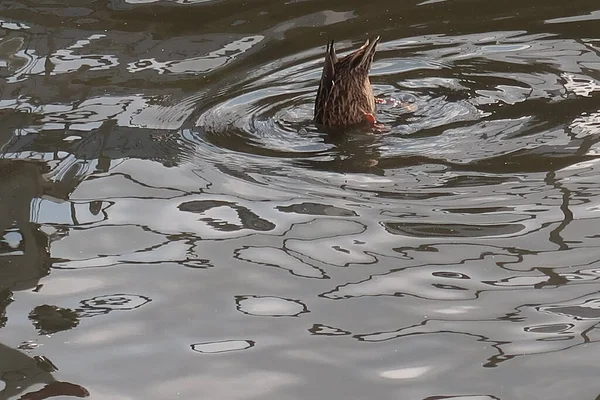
(168, 201)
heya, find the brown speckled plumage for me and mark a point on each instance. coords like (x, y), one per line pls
(345, 96)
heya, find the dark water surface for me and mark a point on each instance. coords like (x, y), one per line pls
(173, 226)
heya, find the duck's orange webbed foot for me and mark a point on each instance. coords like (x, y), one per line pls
(378, 127)
(370, 118)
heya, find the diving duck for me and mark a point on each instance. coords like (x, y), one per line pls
(345, 96)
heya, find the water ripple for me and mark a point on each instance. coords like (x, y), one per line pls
(168, 191)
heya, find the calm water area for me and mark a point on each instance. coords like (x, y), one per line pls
(173, 225)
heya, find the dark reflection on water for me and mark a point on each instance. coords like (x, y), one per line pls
(20, 372)
(171, 216)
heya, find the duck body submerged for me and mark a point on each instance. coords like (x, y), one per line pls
(345, 96)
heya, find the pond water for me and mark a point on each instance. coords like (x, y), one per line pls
(174, 226)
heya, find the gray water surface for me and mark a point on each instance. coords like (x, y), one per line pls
(174, 226)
